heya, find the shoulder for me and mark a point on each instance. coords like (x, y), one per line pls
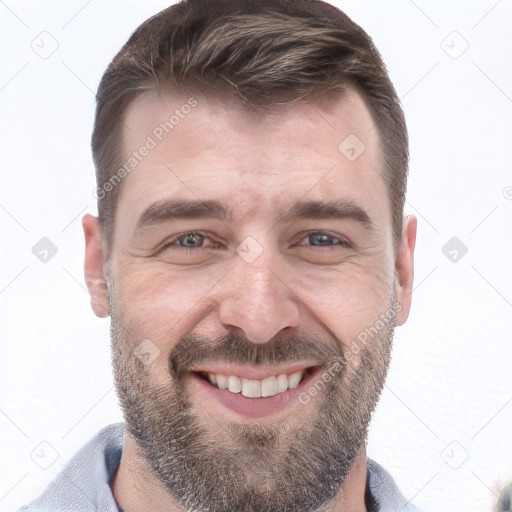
(385, 491)
(83, 483)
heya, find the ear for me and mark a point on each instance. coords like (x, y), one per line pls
(404, 269)
(93, 267)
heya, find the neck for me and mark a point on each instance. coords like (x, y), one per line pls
(134, 484)
(136, 487)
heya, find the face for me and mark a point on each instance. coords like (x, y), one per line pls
(253, 289)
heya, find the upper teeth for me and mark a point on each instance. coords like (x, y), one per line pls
(254, 388)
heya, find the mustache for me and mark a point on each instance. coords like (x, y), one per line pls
(192, 350)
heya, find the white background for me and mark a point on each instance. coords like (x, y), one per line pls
(443, 427)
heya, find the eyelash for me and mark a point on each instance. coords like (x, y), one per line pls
(183, 235)
(343, 243)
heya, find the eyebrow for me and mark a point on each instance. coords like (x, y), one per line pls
(339, 210)
(165, 211)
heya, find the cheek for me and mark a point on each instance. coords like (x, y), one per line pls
(159, 304)
(348, 301)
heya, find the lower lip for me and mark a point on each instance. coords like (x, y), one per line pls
(254, 407)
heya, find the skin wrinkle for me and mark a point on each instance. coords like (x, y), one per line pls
(181, 452)
(198, 49)
(154, 414)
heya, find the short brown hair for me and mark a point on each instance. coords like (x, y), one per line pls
(260, 49)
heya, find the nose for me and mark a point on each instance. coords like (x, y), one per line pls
(257, 300)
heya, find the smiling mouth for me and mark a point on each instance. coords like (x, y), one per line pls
(256, 388)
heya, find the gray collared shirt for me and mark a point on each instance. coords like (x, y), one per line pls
(83, 484)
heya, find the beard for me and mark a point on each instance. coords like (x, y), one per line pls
(296, 464)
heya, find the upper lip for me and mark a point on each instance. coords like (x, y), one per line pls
(252, 372)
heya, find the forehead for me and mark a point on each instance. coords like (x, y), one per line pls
(169, 118)
(258, 162)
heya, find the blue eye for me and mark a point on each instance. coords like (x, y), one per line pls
(193, 241)
(325, 238)
(189, 238)
(322, 238)
(190, 241)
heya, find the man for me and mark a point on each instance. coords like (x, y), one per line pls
(252, 254)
